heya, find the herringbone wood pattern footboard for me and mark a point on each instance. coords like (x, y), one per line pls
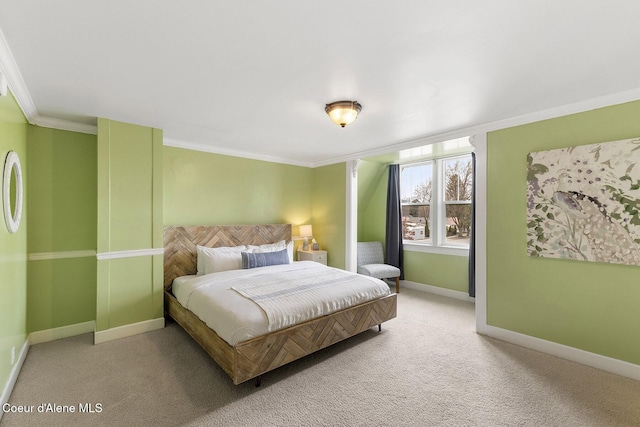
(255, 357)
(262, 354)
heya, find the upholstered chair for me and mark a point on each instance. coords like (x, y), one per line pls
(371, 263)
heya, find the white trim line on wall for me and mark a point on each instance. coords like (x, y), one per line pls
(41, 256)
(351, 219)
(450, 293)
(480, 142)
(129, 254)
(47, 335)
(128, 330)
(583, 357)
(13, 376)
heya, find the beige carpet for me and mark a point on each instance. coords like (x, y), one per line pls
(427, 368)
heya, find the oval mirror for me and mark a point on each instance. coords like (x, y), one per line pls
(12, 191)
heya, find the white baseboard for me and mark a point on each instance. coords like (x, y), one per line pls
(598, 361)
(39, 337)
(47, 335)
(13, 376)
(128, 330)
(583, 357)
(436, 290)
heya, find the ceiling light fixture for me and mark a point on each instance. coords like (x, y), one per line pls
(343, 113)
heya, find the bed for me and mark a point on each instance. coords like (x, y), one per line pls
(249, 359)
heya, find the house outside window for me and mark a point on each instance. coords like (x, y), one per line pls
(436, 202)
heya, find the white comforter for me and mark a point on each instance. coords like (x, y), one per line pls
(236, 318)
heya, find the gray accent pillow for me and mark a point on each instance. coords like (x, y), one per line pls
(263, 259)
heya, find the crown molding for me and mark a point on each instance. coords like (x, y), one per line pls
(9, 68)
(550, 113)
(16, 83)
(3, 84)
(70, 125)
(198, 146)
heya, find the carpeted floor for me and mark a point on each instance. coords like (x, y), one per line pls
(428, 367)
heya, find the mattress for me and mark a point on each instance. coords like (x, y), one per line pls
(237, 318)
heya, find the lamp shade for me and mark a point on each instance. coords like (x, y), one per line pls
(343, 113)
(306, 231)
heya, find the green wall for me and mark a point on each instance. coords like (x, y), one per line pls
(129, 288)
(443, 271)
(372, 201)
(206, 188)
(586, 305)
(61, 219)
(214, 189)
(13, 247)
(329, 211)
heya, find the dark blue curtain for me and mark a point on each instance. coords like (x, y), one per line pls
(472, 242)
(394, 221)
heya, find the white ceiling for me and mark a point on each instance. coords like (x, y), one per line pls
(252, 77)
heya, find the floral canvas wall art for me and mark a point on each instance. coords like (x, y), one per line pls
(583, 203)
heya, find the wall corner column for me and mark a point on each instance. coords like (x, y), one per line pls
(130, 291)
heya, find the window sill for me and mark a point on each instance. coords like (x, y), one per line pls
(442, 250)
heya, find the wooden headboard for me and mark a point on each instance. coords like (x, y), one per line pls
(180, 243)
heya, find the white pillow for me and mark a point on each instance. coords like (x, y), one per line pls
(269, 247)
(203, 252)
(222, 261)
(273, 247)
(290, 250)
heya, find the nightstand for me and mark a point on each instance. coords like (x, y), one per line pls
(317, 256)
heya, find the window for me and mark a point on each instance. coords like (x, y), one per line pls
(416, 189)
(436, 201)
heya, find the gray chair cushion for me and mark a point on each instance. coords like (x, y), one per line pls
(379, 271)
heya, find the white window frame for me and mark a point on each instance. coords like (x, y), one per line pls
(437, 211)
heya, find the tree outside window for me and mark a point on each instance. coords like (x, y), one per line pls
(458, 187)
(417, 190)
(436, 201)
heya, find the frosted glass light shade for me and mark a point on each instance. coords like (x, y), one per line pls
(343, 113)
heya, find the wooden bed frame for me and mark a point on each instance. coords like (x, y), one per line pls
(252, 358)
